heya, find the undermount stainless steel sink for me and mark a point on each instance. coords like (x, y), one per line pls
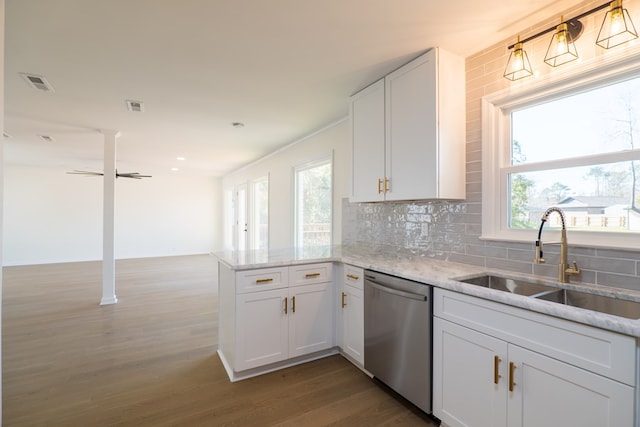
(515, 286)
(599, 303)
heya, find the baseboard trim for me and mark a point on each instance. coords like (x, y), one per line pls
(250, 373)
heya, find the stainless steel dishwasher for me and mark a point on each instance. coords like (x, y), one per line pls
(397, 335)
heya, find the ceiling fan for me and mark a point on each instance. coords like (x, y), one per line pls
(134, 175)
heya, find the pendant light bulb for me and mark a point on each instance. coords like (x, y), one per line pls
(562, 44)
(617, 20)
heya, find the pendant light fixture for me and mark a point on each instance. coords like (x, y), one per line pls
(617, 27)
(561, 49)
(518, 65)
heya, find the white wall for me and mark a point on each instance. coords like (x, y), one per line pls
(51, 216)
(333, 140)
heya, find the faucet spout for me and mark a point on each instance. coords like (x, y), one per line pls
(564, 271)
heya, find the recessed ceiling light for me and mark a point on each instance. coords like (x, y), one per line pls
(180, 158)
(175, 169)
(135, 106)
(47, 138)
(237, 125)
(37, 82)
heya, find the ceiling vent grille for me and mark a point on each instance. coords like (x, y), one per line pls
(37, 82)
(135, 106)
(47, 138)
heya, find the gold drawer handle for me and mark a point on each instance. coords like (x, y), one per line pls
(344, 303)
(286, 304)
(264, 280)
(310, 275)
(352, 277)
(293, 304)
(512, 383)
(379, 185)
(496, 363)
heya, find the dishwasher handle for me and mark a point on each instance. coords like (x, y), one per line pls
(393, 291)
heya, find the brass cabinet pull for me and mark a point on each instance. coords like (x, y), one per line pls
(309, 275)
(286, 304)
(352, 277)
(344, 304)
(379, 185)
(264, 280)
(386, 185)
(293, 304)
(496, 375)
(512, 383)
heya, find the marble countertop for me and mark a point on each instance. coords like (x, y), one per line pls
(445, 275)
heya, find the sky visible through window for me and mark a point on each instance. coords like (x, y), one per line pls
(584, 126)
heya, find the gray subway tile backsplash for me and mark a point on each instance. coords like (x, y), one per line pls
(450, 230)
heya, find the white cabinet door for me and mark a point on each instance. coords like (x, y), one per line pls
(310, 318)
(412, 130)
(367, 133)
(466, 391)
(550, 392)
(352, 306)
(262, 328)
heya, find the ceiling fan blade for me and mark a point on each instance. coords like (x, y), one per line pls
(134, 175)
(90, 173)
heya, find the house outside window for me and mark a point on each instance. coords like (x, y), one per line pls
(573, 144)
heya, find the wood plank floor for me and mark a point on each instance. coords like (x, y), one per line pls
(150, 359)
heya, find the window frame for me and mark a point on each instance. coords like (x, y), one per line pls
(299, 168)
(496, 146)
(254, 231)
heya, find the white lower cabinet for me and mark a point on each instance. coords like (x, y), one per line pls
(549, 392)
(274, 314)
(483, 380)
(310, 319)
(352, 314)
(465, 393)
(262, 332)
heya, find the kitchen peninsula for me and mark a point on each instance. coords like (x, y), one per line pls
(598, 351)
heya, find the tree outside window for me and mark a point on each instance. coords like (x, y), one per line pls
(313, 204)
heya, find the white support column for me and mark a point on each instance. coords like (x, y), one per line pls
(108, 219)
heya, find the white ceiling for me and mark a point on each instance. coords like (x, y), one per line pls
(282, 67)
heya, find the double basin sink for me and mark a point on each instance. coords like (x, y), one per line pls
(600, 303)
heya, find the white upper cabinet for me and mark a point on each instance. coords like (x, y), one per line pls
(367, 130)
(408, 132)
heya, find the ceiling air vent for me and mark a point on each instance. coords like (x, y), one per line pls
(46, 138)
(135, 106)
(37, 82)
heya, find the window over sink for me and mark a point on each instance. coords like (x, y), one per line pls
(572, 143)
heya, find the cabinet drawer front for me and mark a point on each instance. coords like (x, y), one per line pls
(604, 352)
(353, 276)
(310, 273)
(262, 279)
